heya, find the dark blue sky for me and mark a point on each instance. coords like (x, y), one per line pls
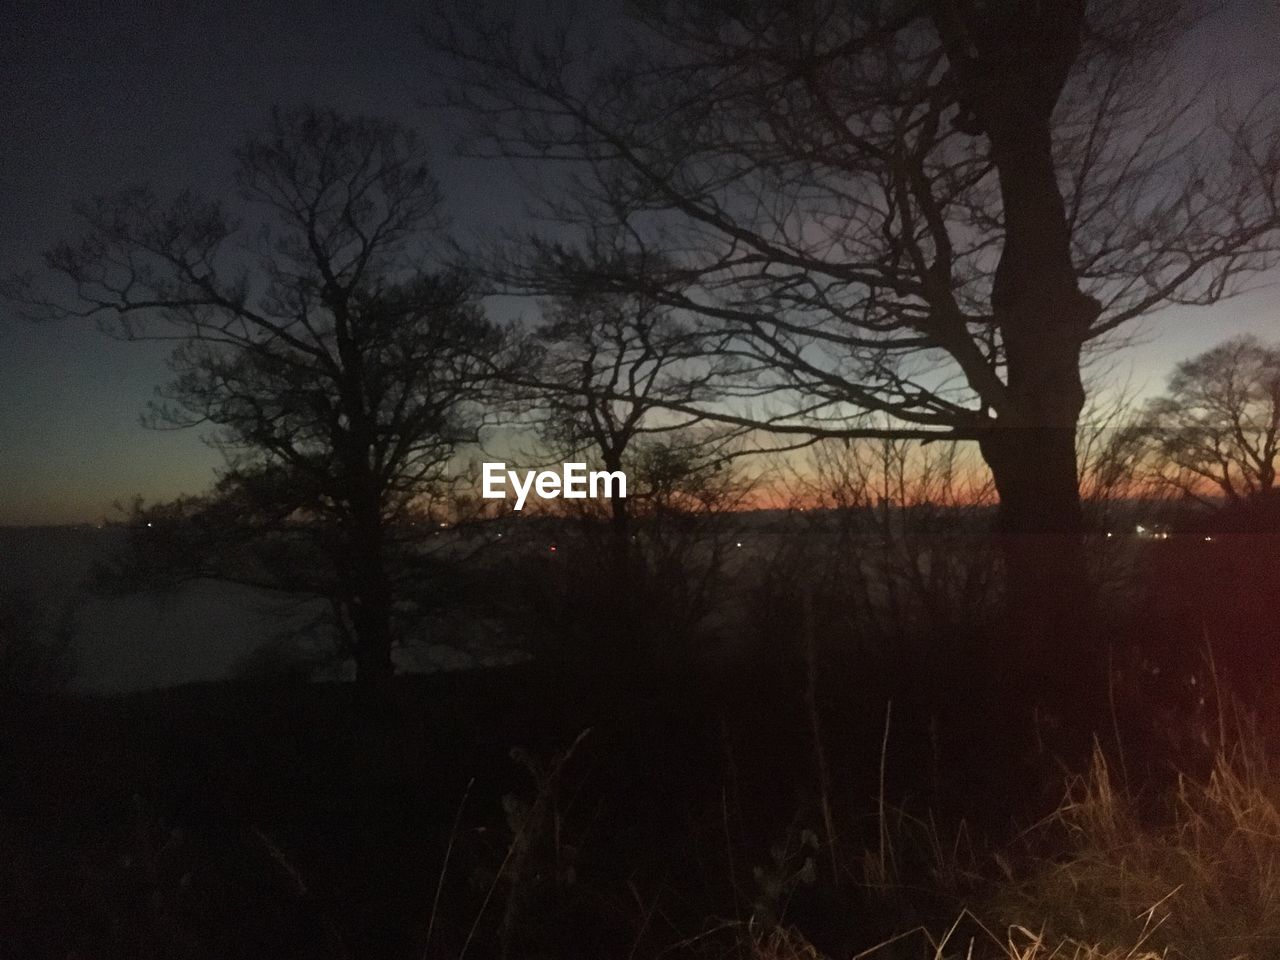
(100, 96)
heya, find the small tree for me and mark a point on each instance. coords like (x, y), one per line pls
(1217, 430)
(608, 367)
(339, 369)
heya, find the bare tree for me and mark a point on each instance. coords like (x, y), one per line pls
(1217, 431)
(607, 369)
(339, 371)
(926, 210)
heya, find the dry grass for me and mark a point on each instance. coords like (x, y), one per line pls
(1199, 879)
(966, 939)
(1194, 875)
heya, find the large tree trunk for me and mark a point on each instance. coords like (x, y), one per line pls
(1050, 648)
(1043, 318)
(1011, 61)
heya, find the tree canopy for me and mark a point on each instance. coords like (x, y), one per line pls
(339, 369)
(1216, 432)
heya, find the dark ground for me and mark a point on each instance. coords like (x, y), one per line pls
(280, 820)
(258, 820)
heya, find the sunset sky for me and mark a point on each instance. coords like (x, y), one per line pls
(111, 95)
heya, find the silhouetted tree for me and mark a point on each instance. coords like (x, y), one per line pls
(339, 369)
(1217, 431)
(925, 210)
(607, 367)
(689, 487)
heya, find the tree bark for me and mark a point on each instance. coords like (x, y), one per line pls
(1011, 62)
(1043, 318)
(1050, 648)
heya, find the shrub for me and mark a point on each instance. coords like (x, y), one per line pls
(35, 656)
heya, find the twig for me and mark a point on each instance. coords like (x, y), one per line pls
(884, 825)
(444, 867)
(815, 725)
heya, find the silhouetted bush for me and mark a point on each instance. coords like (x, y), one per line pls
(35, 655)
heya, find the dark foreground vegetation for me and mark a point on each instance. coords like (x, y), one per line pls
(807, 797)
